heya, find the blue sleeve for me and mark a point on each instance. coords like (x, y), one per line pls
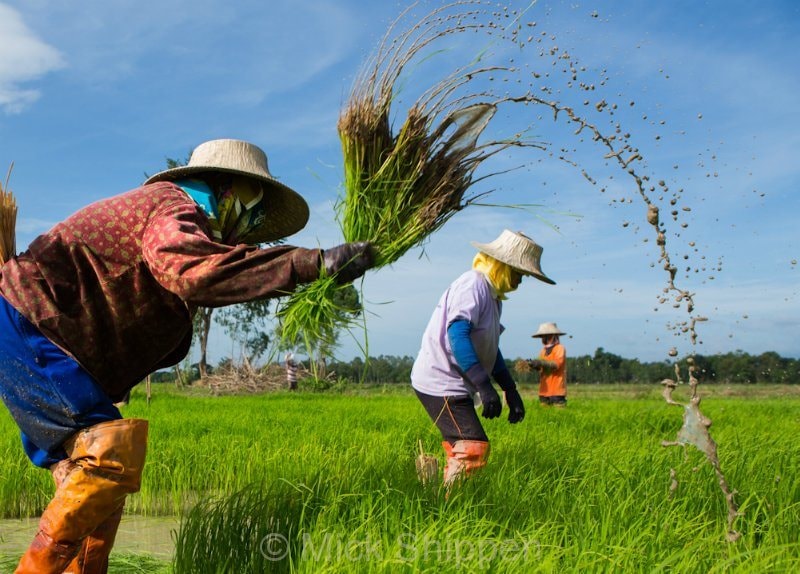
(461, 344)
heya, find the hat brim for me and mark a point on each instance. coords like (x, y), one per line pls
(540, 335)
(286, 212)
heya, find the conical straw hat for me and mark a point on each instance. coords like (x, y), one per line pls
(548, 329)
(517, 250)
(286, 212)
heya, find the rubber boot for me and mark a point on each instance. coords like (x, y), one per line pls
(463, 459)
(448, 451)
(107, 466)
(92, 558)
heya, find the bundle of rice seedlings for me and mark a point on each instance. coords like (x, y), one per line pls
(427, 466)
(522, 366)
(401, 186)
(8, 221)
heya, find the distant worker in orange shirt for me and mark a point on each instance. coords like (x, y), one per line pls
(552, 366)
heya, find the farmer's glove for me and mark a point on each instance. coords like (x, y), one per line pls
(516, 408)
(490, 400)
(348, 261)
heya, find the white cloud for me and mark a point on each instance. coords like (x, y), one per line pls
(23, 59)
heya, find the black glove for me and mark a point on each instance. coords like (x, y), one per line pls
(516, 407)
(348, 261)
(489, 398)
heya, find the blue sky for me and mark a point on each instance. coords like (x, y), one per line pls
(96, 94)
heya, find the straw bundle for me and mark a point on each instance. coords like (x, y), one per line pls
(400, 187)
(8, 221)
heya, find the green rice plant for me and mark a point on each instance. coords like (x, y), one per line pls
(401, 186)
(586, 488)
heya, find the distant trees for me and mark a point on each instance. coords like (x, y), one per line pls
(382, 369)
(604, 368)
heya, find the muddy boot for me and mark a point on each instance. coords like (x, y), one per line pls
(448, 451)
(93, 555)
(104, 465)
(92, 558)
(463, 459)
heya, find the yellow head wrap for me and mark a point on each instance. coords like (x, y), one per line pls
(498, 273)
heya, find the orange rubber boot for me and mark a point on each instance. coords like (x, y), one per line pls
(92, 558)
(448, 451)
(464, 458)
(93, 555)
(107, 461)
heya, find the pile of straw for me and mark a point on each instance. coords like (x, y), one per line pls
(401, 186)
(8, 221)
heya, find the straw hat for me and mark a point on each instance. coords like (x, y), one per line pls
(548, 329)
(286, 211)
(518, 251)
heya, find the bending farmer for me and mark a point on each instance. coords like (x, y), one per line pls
(107, 296)
(460, 351)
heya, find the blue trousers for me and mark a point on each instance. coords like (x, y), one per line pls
(49, 395)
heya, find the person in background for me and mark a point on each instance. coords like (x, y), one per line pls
(291, 371)
(107, 296)
(552, 366)
(460, 351)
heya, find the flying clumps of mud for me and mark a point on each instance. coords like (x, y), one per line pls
(695, 432)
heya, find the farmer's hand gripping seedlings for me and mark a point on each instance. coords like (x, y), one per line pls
(107, 296)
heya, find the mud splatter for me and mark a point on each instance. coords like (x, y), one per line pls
(695, 432)
(553, 87)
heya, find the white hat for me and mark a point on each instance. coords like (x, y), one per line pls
(548, 329)
(517, 250)
(286, 212)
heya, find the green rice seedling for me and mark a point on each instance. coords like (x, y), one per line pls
(587, 488)
(401, 186)
(313, 312)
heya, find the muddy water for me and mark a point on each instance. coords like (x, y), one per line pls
(137, 534)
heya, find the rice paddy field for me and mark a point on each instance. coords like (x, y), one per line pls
(312, 482)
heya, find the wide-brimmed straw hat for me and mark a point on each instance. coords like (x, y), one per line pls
(548, 329)
(517, 250)
(286, 212)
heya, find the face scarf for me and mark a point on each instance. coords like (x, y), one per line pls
(498, 273)
(233, 212)
(552, 341)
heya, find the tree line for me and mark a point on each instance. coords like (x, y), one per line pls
(604, 367)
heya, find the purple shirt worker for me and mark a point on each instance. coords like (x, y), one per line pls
(460, 352)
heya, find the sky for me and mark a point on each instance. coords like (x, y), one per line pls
(95, 95)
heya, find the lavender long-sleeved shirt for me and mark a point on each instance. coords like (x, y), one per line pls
(470, 297)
